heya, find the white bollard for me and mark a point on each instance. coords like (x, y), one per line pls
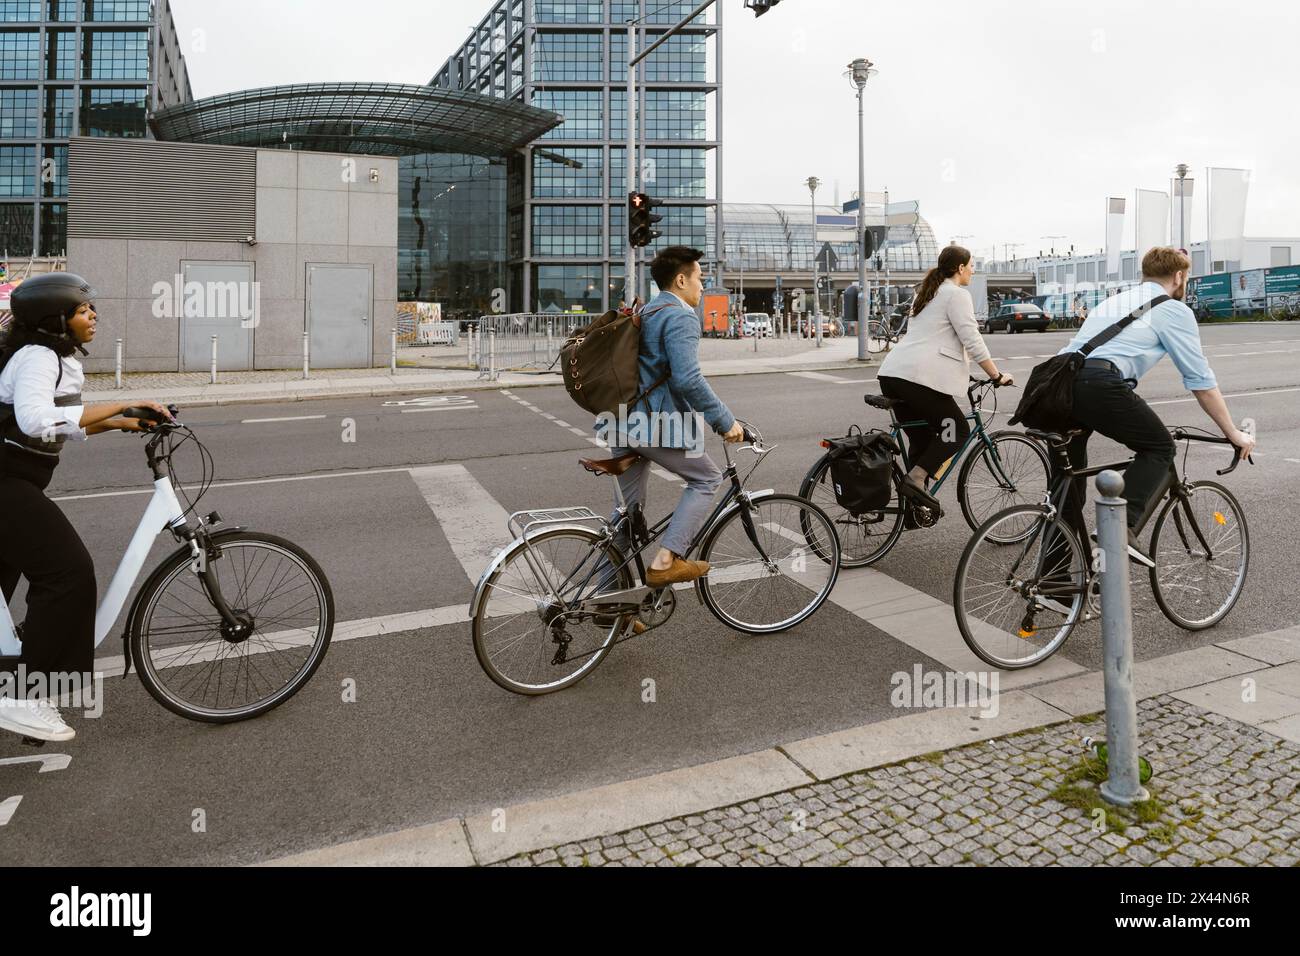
(117, 373)
(214, 360)
(306, 355)
(492, 355)
(392, 359)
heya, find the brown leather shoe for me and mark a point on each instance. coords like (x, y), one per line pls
(679, 572)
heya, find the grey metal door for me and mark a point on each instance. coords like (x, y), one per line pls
(339, 314)
(219, 298)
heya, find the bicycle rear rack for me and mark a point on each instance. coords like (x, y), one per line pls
(522, 523)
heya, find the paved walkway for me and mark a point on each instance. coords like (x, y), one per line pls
(945, 786)
(195, 389)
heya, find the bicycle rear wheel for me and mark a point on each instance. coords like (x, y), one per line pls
(526, 636)
(864, 539)
(770, 590)
(1011, 613)
(1015, 472)
(1196, 588)
(196, 666)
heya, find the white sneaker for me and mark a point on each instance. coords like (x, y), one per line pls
(38, 719)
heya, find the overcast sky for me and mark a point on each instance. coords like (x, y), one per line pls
(1008, 120)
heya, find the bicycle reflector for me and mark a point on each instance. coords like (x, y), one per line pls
(1218, 516)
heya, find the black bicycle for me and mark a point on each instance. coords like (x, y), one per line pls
(1016, 604)
(1005, 468)
(572, 584)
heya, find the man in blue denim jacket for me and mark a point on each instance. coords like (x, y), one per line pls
(664, 429)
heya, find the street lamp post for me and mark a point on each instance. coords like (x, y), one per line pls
(1182, 170)
(860, 70)
(812, 184)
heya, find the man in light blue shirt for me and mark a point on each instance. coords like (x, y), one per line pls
(1104, 396)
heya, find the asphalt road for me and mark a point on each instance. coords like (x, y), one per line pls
(429, 736)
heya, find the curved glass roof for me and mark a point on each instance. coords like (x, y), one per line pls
(377, 119)
(780, 237)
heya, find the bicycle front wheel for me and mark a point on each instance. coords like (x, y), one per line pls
(1201, 547)
(1014, 472)
(1017, 603)
(864, 538)
(529, 636)
(196, 665)
(773, 562)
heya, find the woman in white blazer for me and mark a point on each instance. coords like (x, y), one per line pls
(930, 366)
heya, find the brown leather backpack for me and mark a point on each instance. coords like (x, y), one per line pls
(600, 363)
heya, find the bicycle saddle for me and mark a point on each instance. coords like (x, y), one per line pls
(880, 402)
(1054, 438)
(611, 467)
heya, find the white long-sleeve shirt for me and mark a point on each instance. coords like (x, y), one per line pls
(28, 384)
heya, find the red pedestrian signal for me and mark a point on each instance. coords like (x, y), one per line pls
(641, 219)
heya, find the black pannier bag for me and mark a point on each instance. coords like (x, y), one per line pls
(1048, 401)
(862, 470)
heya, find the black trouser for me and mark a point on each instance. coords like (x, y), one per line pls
(927, 445)
(1106, 404)
(38, 542)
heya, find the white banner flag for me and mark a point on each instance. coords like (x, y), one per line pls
(1180, 225)
(1152, 221)
(1114, 235)
(1227, 211)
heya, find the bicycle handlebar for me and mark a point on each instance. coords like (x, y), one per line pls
(1180, 434)
(150, 415)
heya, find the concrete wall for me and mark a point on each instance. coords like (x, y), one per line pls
(308, 211)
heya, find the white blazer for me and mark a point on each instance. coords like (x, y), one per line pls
(940, 343)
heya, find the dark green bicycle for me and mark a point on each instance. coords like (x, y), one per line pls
(1006, 468)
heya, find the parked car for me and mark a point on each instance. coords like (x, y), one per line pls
(1019, 317)
(756, 323)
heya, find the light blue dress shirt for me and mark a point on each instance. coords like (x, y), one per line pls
(1168, 329)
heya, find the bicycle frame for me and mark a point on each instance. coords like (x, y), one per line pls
(164, 513)
(630, 522)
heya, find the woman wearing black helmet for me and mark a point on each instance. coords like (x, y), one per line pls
(40, 409)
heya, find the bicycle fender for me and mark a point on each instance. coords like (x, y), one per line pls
(480, 589)
(753, 496)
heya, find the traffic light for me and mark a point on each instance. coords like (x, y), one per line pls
(641, 219)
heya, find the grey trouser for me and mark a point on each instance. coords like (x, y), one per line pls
(702, 479)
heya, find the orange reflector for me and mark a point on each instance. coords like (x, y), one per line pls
(1028, 634)
(825, 444)
(1218, 516)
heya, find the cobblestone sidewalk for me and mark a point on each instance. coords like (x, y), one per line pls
(1224, 793)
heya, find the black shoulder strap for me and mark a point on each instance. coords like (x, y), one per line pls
(1121, 325)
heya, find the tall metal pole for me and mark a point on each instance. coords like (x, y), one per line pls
(629, 265)
(1182, 205)
(813, 183)
(860, 70)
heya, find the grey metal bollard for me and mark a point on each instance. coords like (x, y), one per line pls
(392, 358)
(492, 355)
(117, 370)
(214, 360)
(306, 355)
(1123, 785)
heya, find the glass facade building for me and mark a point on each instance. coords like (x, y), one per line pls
(73, 68)
(565, 197)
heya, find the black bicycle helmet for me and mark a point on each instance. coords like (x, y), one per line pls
(44, 303)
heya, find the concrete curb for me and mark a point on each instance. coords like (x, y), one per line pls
(507, 832)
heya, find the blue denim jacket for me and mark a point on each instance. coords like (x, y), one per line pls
(670, 340)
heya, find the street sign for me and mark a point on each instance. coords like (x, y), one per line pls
(827, 260)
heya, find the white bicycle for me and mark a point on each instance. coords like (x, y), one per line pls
(231, 624)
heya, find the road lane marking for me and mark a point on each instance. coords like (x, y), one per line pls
(472, 520)
(271, 421)
(365, 473)
(822, 377)
(449, 408)
(1262, 391)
